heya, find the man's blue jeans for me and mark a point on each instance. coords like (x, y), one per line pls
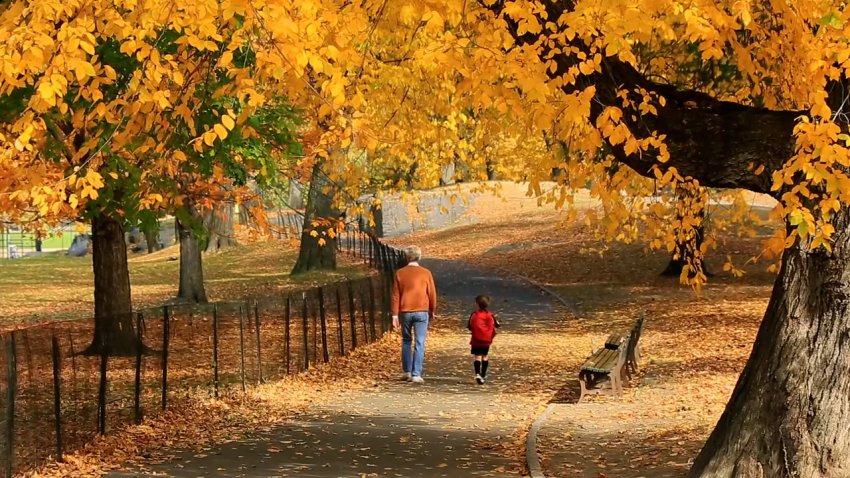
(414, 325)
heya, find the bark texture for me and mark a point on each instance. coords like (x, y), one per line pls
(219, 225)
(789, 413)
(191, 288)
(113, 309)
(319, 210)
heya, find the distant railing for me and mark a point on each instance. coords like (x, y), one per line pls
(54, 399)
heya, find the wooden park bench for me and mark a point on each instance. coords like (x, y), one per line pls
(613, 363)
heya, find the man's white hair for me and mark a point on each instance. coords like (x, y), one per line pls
(413, 253)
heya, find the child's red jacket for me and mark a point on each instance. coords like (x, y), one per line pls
(483, 325)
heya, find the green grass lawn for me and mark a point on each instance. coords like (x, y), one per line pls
(55, 286)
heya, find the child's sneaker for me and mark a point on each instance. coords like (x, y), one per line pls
(479, 379)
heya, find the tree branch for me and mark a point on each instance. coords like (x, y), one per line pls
(721, 144)
(59, 136)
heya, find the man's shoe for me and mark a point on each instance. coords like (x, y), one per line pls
(405, 377)
(479, 379)
(417, 379)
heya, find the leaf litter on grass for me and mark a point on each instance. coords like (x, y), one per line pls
(44, 289)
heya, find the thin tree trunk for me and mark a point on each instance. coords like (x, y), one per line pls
(152, 238)
(683, 254)
(296, 195)
(490, 168)
(447, 174)
(219, 226)
(112, 303)
(191, 287)
(789, 415)
(318, 248)
(687, 250)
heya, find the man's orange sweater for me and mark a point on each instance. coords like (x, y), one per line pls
(414, 290)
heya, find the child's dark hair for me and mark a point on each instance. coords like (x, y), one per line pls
(483, 301)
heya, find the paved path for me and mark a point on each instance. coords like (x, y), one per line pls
(447, 426)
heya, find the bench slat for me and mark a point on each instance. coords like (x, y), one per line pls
(602, 361)
(614, 341)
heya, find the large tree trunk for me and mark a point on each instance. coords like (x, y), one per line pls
(219, 225)
(789, 415)
(314, 255)
(191, 287)
(114, 332)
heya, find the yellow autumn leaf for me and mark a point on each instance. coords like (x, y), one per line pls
(228, 122)
(220, 130)
(209, 138)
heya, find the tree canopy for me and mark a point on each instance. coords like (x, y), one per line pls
(637, 99)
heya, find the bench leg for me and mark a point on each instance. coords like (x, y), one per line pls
(615, 382)
(582, 378)
(636, 357)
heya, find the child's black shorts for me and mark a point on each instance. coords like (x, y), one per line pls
(479, 350)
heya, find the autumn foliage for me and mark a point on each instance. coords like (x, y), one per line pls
(112, 108)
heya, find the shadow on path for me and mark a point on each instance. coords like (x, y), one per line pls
(447, 426)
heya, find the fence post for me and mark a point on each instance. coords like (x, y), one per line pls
(314, 316)
(242, 345)
(324, 325)
(27, 355)
(101, 393)
(305, 326)
(363, 311)
(352, 314)
(385, 257)
(137, 385)
(215, 350)
(372, 308)
(259, 349)
(166, 339)
(286, 337)
(339, 327)
(57, 396)
(11, 392)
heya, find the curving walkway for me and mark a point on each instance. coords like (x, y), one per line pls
(448, 426)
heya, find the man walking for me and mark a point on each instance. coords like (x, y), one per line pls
(414, 301)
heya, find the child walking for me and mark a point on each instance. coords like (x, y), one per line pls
(482, 323)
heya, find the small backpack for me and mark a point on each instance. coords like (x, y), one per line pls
(483, 325)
